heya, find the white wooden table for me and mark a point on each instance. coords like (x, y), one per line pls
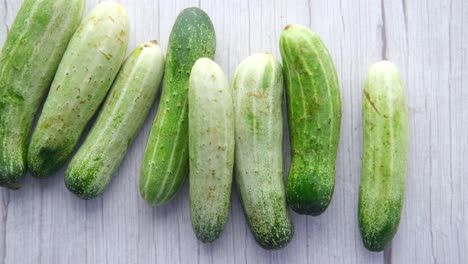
(427, 39)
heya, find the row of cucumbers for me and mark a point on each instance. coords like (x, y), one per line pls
(203, 124)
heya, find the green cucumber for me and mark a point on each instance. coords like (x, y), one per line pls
(211, 149)
(385, 156)
(84, 76)
(166, 159)
(28, 61)
(258, 95)
(314, 110)
(120, 119)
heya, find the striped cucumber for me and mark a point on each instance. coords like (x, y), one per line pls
(166, 159)
(85, 74)
(385, 155)
(314, 109)
(258, 94)
(211, 149)
(28, 61)
(120, 119)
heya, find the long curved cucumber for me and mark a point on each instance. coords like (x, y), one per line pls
(211, 149)
(28, 61)
(258, 94)
(166, 159)
(120, 119)
(385, 155)
(85, 74)
(314, 110)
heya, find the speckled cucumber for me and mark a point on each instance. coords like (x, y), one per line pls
(120, 119)
(211, 149)
(28, 61)
(258, 95)
(166, 159)
(314, 110)
(83, 78)
(385, 156)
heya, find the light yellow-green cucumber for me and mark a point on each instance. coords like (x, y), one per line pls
(84, 76)
(166, 159)
(120, 119)
(28, 61)
(314, 112)
(258, 95)
(385, 155)
(211, 149)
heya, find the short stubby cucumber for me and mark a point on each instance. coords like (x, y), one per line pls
(28, 61)
(120, 119)
(385, 155)
(314, 110)
(166, 159)
(257, 96)
(211, 149)
(83, 78)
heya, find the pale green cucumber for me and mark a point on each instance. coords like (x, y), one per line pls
(85, 74)
(28, 61)
(166, 159)
(258, 94)
(211, 149)
(314, 112)
(120, 119)
(385, 155)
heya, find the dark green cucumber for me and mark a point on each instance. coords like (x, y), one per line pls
(166, 160)
(84, 76)
(385, 156)
(28, 61)
(121, 117)
(314, 110)
(258, 95)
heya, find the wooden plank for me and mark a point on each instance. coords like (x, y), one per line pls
(351, 31)
(297, 251)
(11, 225)
(431, 231)
(229, 40)
(458, 81)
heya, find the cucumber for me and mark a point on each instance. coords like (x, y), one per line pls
(258, 95)
(166, 159)
(211, 149)
(28, 61)
(314, 110)
(385, 156)
(83, 78)
(120, 119)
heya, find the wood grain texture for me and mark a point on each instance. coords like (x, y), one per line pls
(44, 223)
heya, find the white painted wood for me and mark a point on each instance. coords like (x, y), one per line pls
(44, 223)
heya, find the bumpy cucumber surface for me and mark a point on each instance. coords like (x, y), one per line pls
(385, 156)
(258, 94)
(85, 74)
(28, 61)
(211, 149)
(120, 119)
(314, 110)
(166, 159)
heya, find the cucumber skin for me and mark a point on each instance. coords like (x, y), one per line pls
(166, 159)
(120, 119)
(84, 76)
(385, 156)
(258, 94)
(28, 61)
(314, 119)
(211, 149)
